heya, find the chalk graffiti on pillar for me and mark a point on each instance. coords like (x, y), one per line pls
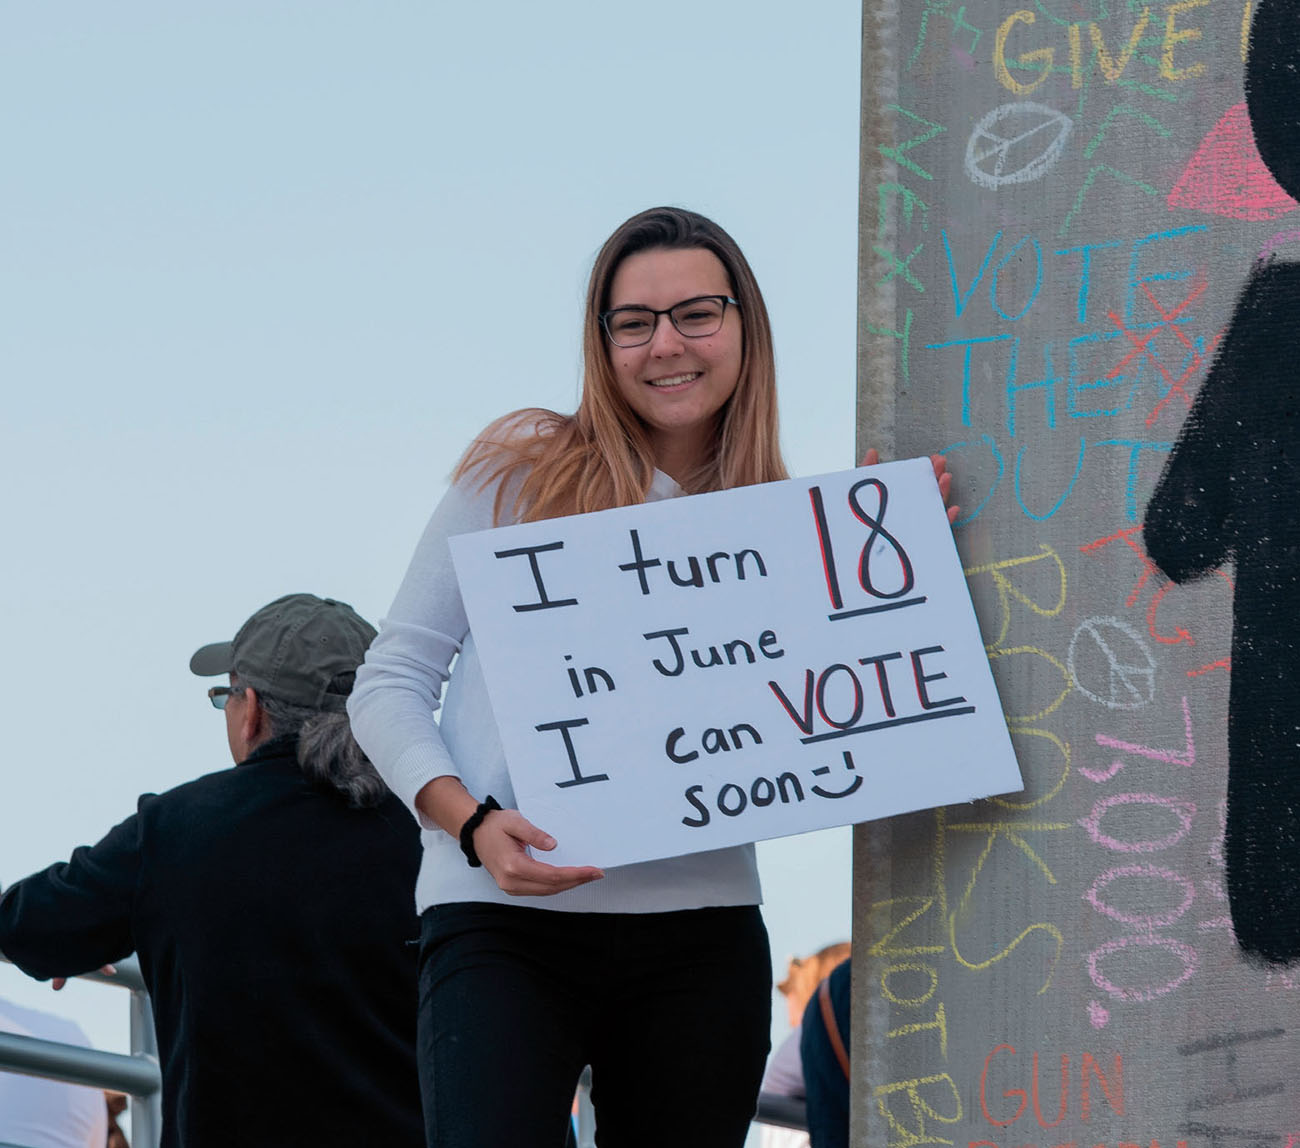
(1195, 352)
(1178, 822)
(1016, 143)
(1147, 899)
(1110, 662)
(967, 468)
(1136, 353)
(1228, 494)
(1130, 537)
(964, 52)
(1182, 954)
(1097, 895)
(1225, 175)
(1185, 757)
(1237, 1067)
(1022, 49)
(1278, 243)
(1148, 568)
(1001, 574)
(1074, 477)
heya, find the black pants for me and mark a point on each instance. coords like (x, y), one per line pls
(671, 1010)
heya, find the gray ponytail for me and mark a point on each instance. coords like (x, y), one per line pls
(328, 754)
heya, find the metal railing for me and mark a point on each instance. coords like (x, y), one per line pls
(781, 1111)
(137, 1074)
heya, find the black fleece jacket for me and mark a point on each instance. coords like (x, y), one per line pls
(275, 928)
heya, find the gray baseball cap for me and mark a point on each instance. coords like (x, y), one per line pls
(292, 649)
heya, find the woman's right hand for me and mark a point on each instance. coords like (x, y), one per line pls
(502, 842)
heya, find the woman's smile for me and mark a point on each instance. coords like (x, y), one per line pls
(675, 381)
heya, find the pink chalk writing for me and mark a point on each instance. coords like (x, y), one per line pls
(1186, 955)
(1184, 811)
(1098, 1014)
(1277, 242)
(1095, 895)
(1185, 757)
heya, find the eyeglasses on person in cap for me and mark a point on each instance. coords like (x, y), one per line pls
(220, 695)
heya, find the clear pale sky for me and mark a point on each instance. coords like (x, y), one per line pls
(252, 259)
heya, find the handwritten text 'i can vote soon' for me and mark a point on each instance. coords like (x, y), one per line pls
(873, 692)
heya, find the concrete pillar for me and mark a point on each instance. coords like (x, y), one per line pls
(1080, 281)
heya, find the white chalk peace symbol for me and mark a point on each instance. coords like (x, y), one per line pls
(1016, 143)
(1117, 662)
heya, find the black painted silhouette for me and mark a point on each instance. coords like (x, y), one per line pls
(1230, 492)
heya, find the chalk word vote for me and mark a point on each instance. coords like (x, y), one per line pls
(824, 712)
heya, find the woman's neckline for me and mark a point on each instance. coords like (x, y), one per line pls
(663, 485)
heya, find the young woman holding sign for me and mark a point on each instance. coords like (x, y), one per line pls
(658, 975)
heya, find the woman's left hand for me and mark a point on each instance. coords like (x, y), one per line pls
(941, 476)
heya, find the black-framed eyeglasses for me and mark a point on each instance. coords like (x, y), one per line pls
(695, 318)
(220, 695)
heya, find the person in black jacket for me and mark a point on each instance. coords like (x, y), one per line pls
(271, 906)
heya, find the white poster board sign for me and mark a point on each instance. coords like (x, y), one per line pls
(701, 672)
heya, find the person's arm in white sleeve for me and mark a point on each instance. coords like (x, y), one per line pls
(399, 687)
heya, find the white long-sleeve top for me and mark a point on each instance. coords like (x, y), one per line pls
(48, 1113)
(392, 707)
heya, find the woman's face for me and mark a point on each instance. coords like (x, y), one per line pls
(676, 384)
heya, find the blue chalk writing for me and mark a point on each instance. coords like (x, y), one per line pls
(1078, 469)
(965, 365)
(1047, 384)
(1038, 281)
(1085, 271)
(960, 298)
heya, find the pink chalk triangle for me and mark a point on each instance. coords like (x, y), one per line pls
(1226, 176)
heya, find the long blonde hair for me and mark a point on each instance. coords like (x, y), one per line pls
(600, 456)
